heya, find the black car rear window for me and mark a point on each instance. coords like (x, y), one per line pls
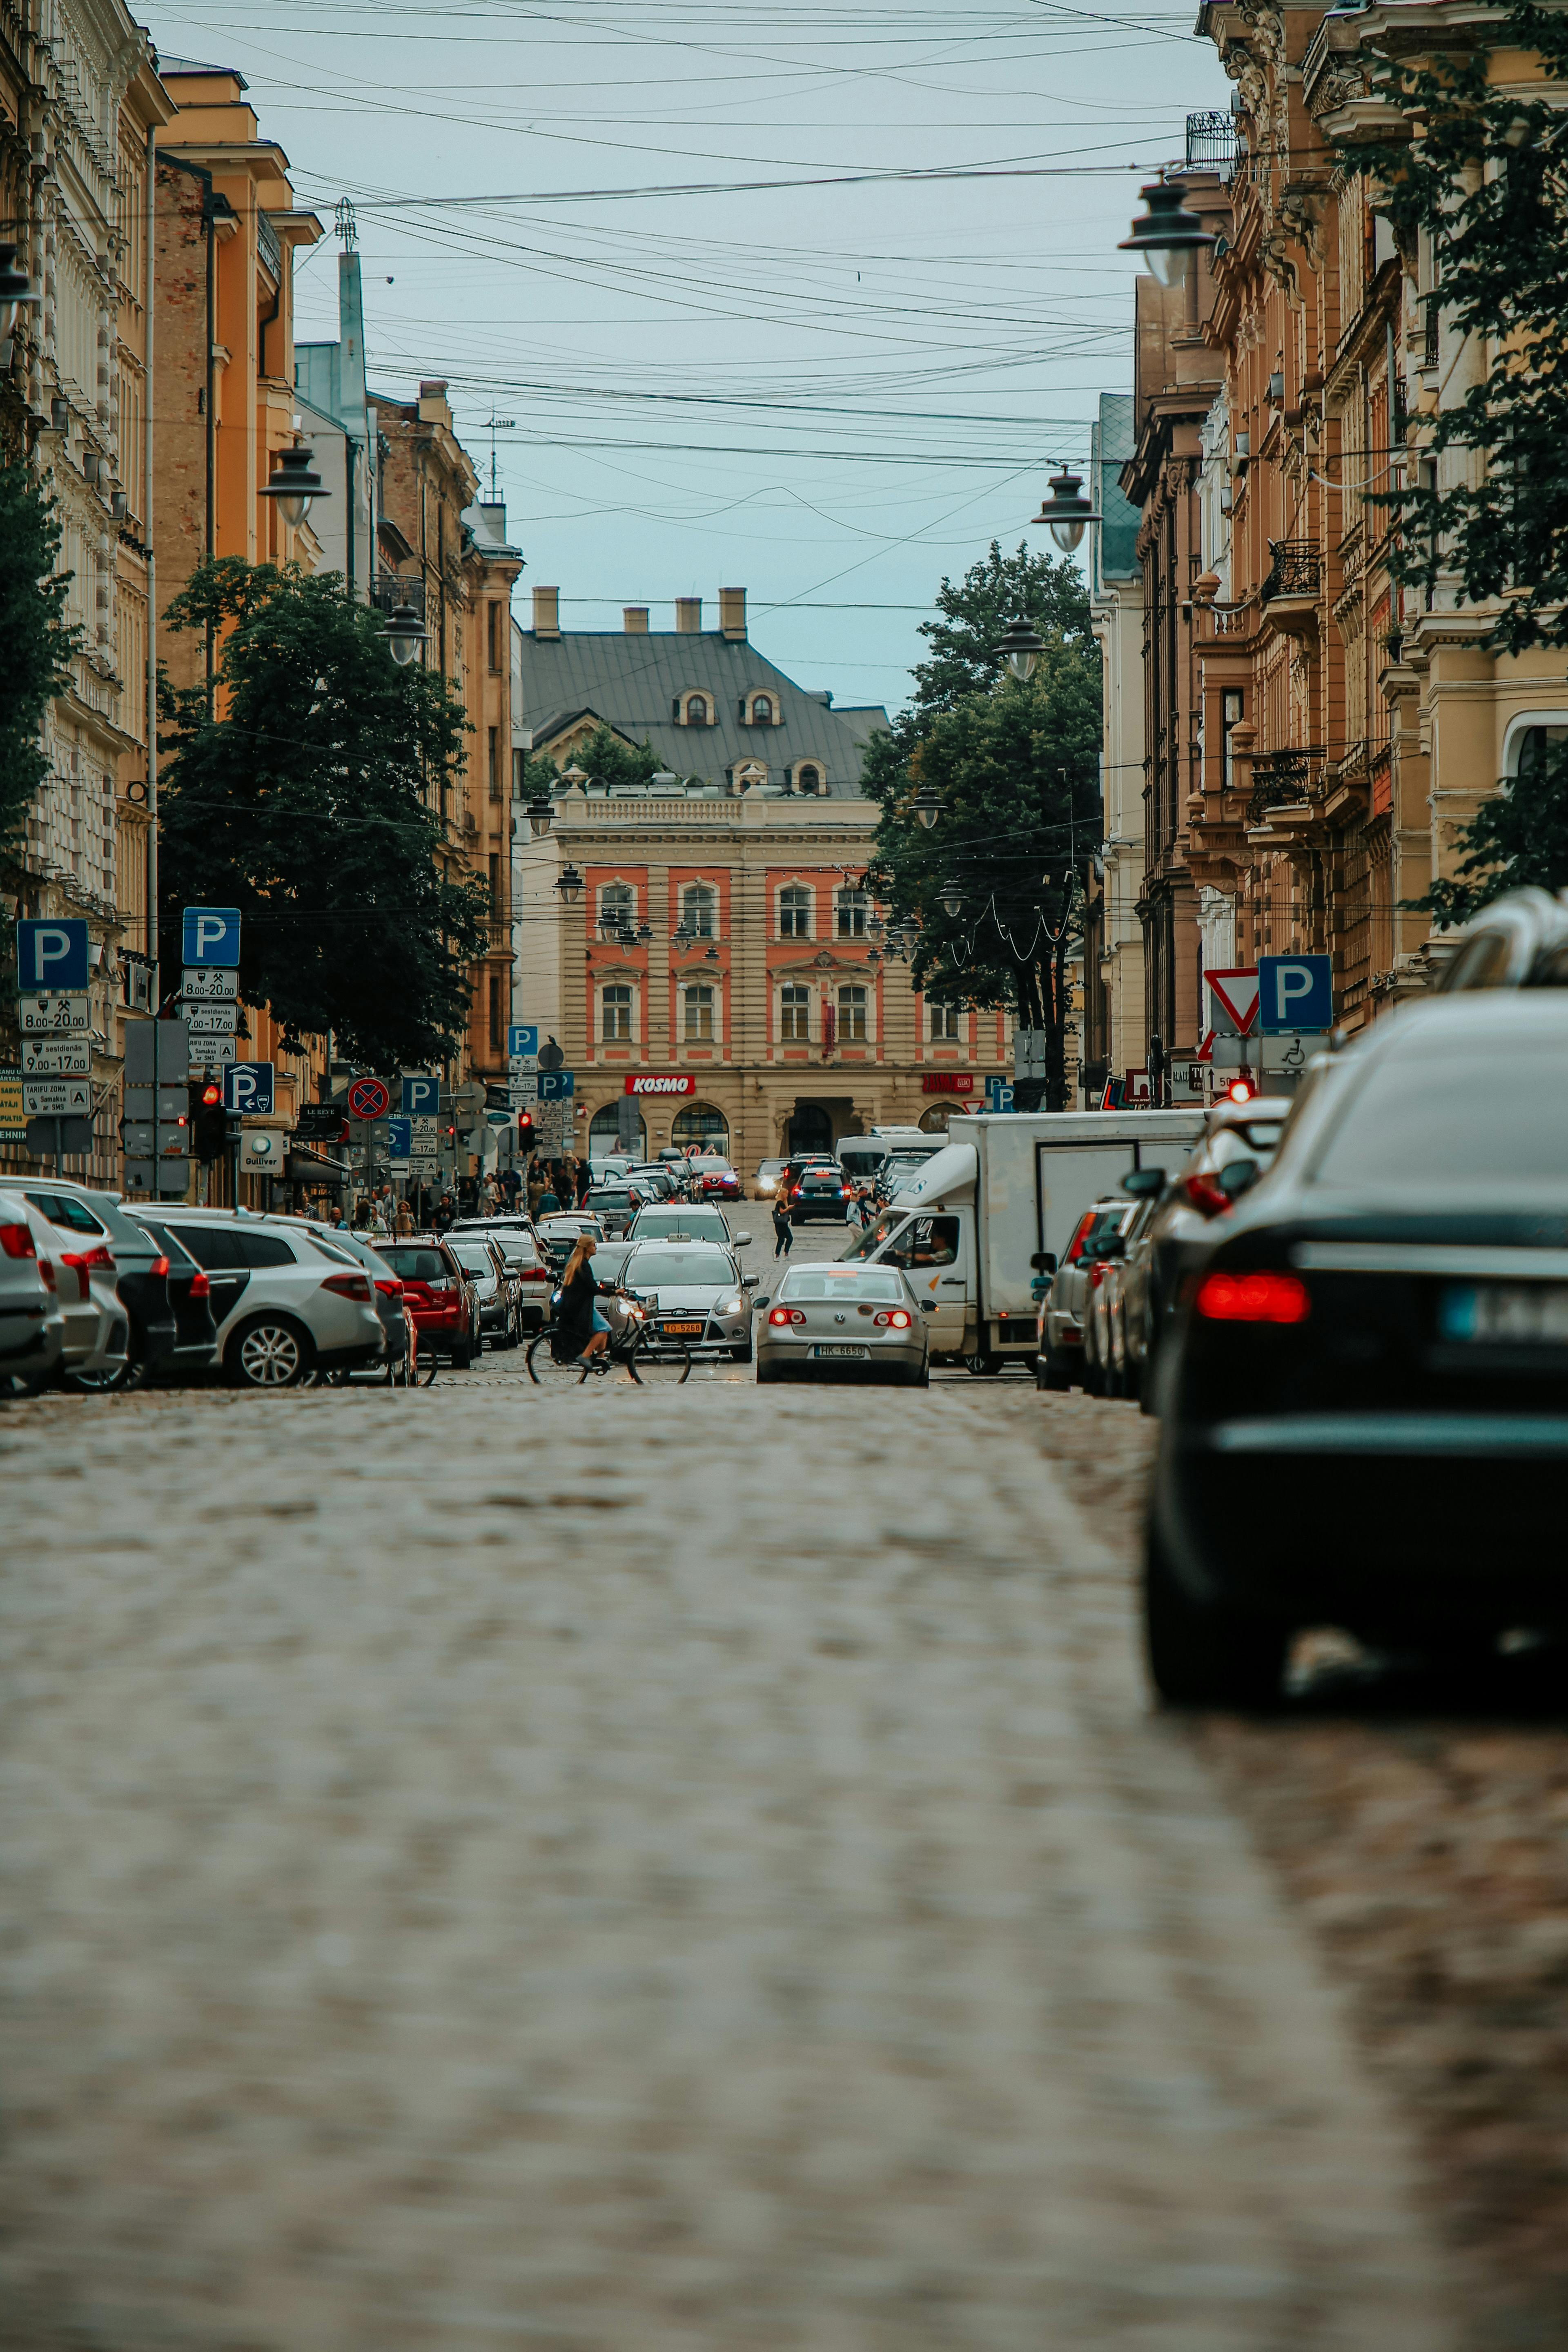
(65, 1209)
(1426, 1123)
(223, 1248)
(415, 1265)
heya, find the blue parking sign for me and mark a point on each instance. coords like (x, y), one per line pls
(247, 1086)
(1295, 995)
(421, 1097)
(557, 1086)
(399, 1138)
(52, 955)
(998, 1093)
(521, 1040)
(212, 936)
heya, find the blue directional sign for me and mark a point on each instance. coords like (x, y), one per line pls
(212, 936)
(557, 1086)
(399, 1138)
(998, 1093)
(247, 1086)
(522, 1041)
(52, 955)
(421, 1097)
(1295, 995)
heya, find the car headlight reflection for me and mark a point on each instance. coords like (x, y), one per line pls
(727, 1306)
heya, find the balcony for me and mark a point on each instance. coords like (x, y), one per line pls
(1283, 779)
(1290, 589)
(1211, 143)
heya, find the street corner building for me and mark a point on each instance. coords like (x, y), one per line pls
(722, 963)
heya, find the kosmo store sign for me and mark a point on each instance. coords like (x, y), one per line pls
(947, 1082)
(636, 1086)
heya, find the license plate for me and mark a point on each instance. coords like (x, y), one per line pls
(681, 1330)
(1506, 1314)
(825, 1349)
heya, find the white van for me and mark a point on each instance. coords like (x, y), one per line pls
(860, 1156)
(968, 1229)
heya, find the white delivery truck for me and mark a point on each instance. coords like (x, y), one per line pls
(969, 1227)
(860, 1156)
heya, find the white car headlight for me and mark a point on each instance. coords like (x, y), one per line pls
(727, 1306)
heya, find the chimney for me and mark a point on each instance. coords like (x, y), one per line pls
(635, 619)
(433, 407)
(547, 611)
(733, 614)
(688, 615)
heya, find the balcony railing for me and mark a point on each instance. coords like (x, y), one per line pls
(1295, 569)
(1282, 780)
(390, 589)
(1211, 142)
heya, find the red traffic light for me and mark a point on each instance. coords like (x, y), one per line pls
(211, 1094)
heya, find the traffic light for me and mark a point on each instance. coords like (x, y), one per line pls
(209, 1124)
(525, 1131)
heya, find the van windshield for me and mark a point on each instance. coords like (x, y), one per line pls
(921, 1240)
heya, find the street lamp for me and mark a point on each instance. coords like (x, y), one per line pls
(568, 882)
(952, 897)
(1166, 236)
(296, 485)
(1022, 646)
(645, 933)
(16, 288)
(405, 634)
(927, 806)
(541, 815)
(1066, 510)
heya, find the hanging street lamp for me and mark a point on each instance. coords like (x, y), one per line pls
(645, 933)
(17, 288)
(1022, 646)
(1166, 236)
(541, 815)
(405, 634)
(927, 806)
(568, 882)
(296, 485)
(1066, 510)
(952, 897)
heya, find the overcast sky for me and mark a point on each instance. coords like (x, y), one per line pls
(831, 391)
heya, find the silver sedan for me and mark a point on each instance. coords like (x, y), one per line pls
(844, 1318)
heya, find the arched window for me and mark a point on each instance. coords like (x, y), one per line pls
(617, 905)
(697, 710)
(604, 1132)
(699, 910)
(944, 1021)
(699, 1013)
(615, 1005)
(762, 711)
(853, 910)
(809, 779)
(794, 1014)
(699, 1123)
(795, 912)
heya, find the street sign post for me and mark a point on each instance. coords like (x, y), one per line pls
(1295, 995)
(368, 1099)
(420, 1096)
(557, 1086)
(57, 1097)
(400, 1138)
(207, 1020)
(523, 1044)
(49, 1015)
(53, 958)
(263, 1151)
(522, 1092)
(157, 1129)
(216, 986)
(56, 1058)
(998, 1093)
(211, 936)
(1233, 994)
(247, 1089)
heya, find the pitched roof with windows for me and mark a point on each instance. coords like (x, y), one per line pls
(633, 682)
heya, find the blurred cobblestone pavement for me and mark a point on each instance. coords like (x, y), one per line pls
(663, 1870)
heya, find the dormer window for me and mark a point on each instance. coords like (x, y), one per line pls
(809, 779)
(694, 710)
(760, 711)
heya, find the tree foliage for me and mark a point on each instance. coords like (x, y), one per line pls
(1017, 768)
(36, 641)
(1484, 176)
(307, 791)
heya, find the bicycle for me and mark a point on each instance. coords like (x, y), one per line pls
(648, 1360)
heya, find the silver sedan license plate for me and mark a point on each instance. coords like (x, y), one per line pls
(826, 1347)
(1506, 1314)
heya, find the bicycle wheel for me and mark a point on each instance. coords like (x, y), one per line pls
(542, 1369)
(654, 1363)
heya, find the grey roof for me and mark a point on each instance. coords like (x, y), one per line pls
(632, 683)
(1112, 440)
(167, 64)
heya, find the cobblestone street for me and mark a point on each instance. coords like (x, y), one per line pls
(688, 1869)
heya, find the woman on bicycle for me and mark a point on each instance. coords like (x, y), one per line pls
(577, 1319)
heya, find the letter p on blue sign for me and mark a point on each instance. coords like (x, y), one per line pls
(1295, 995)
(52, 955)
(212, 936)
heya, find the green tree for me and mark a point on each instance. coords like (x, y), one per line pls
(35, 642)
(604, 755)
(1017, 769)
(309, 793)
(974, 614)
(1484, 174)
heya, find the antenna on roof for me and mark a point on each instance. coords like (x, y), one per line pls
(497, 424)
(344, 221)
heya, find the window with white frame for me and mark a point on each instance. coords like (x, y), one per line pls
(699, 910)
(794, 911)
(616, 1014)
(809, 778)
(697, 710)
(699, 1014)
(852, 1015)
(794, 1014)
(854, 906)
(617, 905)
(944, 1023)
(762, 711)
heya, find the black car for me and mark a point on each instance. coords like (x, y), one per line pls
(819, 1189)
(193, 1354)
(1364, 1399)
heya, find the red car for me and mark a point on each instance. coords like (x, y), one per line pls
(438, 1297)
(715, 1179)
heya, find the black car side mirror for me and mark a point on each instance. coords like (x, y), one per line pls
(1044, 1262)
(1139, 1182)
(1237, 1177)
(758, 1304)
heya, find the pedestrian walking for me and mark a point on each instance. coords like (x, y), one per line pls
(443, 1214)
(405, 1220)
(784, 1232)
(584, 1181)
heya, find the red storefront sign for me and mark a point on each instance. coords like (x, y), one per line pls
(947, 1082)
(645, 1085)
